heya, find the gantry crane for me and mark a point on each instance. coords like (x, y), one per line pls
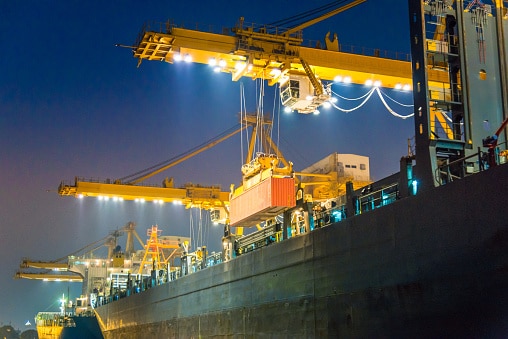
(277, 55)
(443, 71)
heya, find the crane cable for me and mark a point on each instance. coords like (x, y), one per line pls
(367, 96)
(141, 173)
(292, 20)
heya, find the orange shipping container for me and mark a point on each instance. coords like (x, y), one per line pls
(262, 201)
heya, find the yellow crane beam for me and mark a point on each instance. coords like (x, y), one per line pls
(55, 266)
(260, 59)
(48, 277)
(190, 195)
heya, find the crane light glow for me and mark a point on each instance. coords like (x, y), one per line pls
(177, 57)
(187, 58)
(222, 63)
(368, 82)
(275, 72)
(338, 78)
(406, 87)
(212, 62)
(239, 65)
(347, 80)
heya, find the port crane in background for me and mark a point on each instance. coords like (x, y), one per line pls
(103, 277)
(68, 268)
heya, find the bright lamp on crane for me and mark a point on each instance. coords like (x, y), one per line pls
(177, 57)
(240, 65)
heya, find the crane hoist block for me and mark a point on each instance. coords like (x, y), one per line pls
(263, 201)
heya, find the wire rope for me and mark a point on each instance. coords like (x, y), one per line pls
(357, 107)
(352, 99)
(395, 101)
(159, 165)
(389, 108)
(304, 15)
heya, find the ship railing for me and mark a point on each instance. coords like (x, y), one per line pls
(328, 216)
(379, 198)
(263, 237)
(469, 165)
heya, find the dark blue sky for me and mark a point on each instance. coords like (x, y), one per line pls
(72, 104)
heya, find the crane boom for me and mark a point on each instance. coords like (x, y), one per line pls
(49, 277)
(190, 195)
(187, 156)
(254, 54)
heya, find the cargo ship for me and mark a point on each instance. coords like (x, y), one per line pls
(422, 253)
(73, 321)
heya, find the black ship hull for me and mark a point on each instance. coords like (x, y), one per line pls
(430, 265)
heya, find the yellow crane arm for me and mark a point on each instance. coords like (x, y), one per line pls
(49, 277)
(55, 266)
(190, 195)
(261, 59)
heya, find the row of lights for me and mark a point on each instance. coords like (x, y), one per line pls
(106, 198)
(218, 65)
(326, 104)
(140, 200)
(178, 57)
(370, 83)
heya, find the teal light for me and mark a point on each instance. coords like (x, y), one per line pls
(415, 186)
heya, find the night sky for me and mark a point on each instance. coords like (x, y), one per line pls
(73, 104)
